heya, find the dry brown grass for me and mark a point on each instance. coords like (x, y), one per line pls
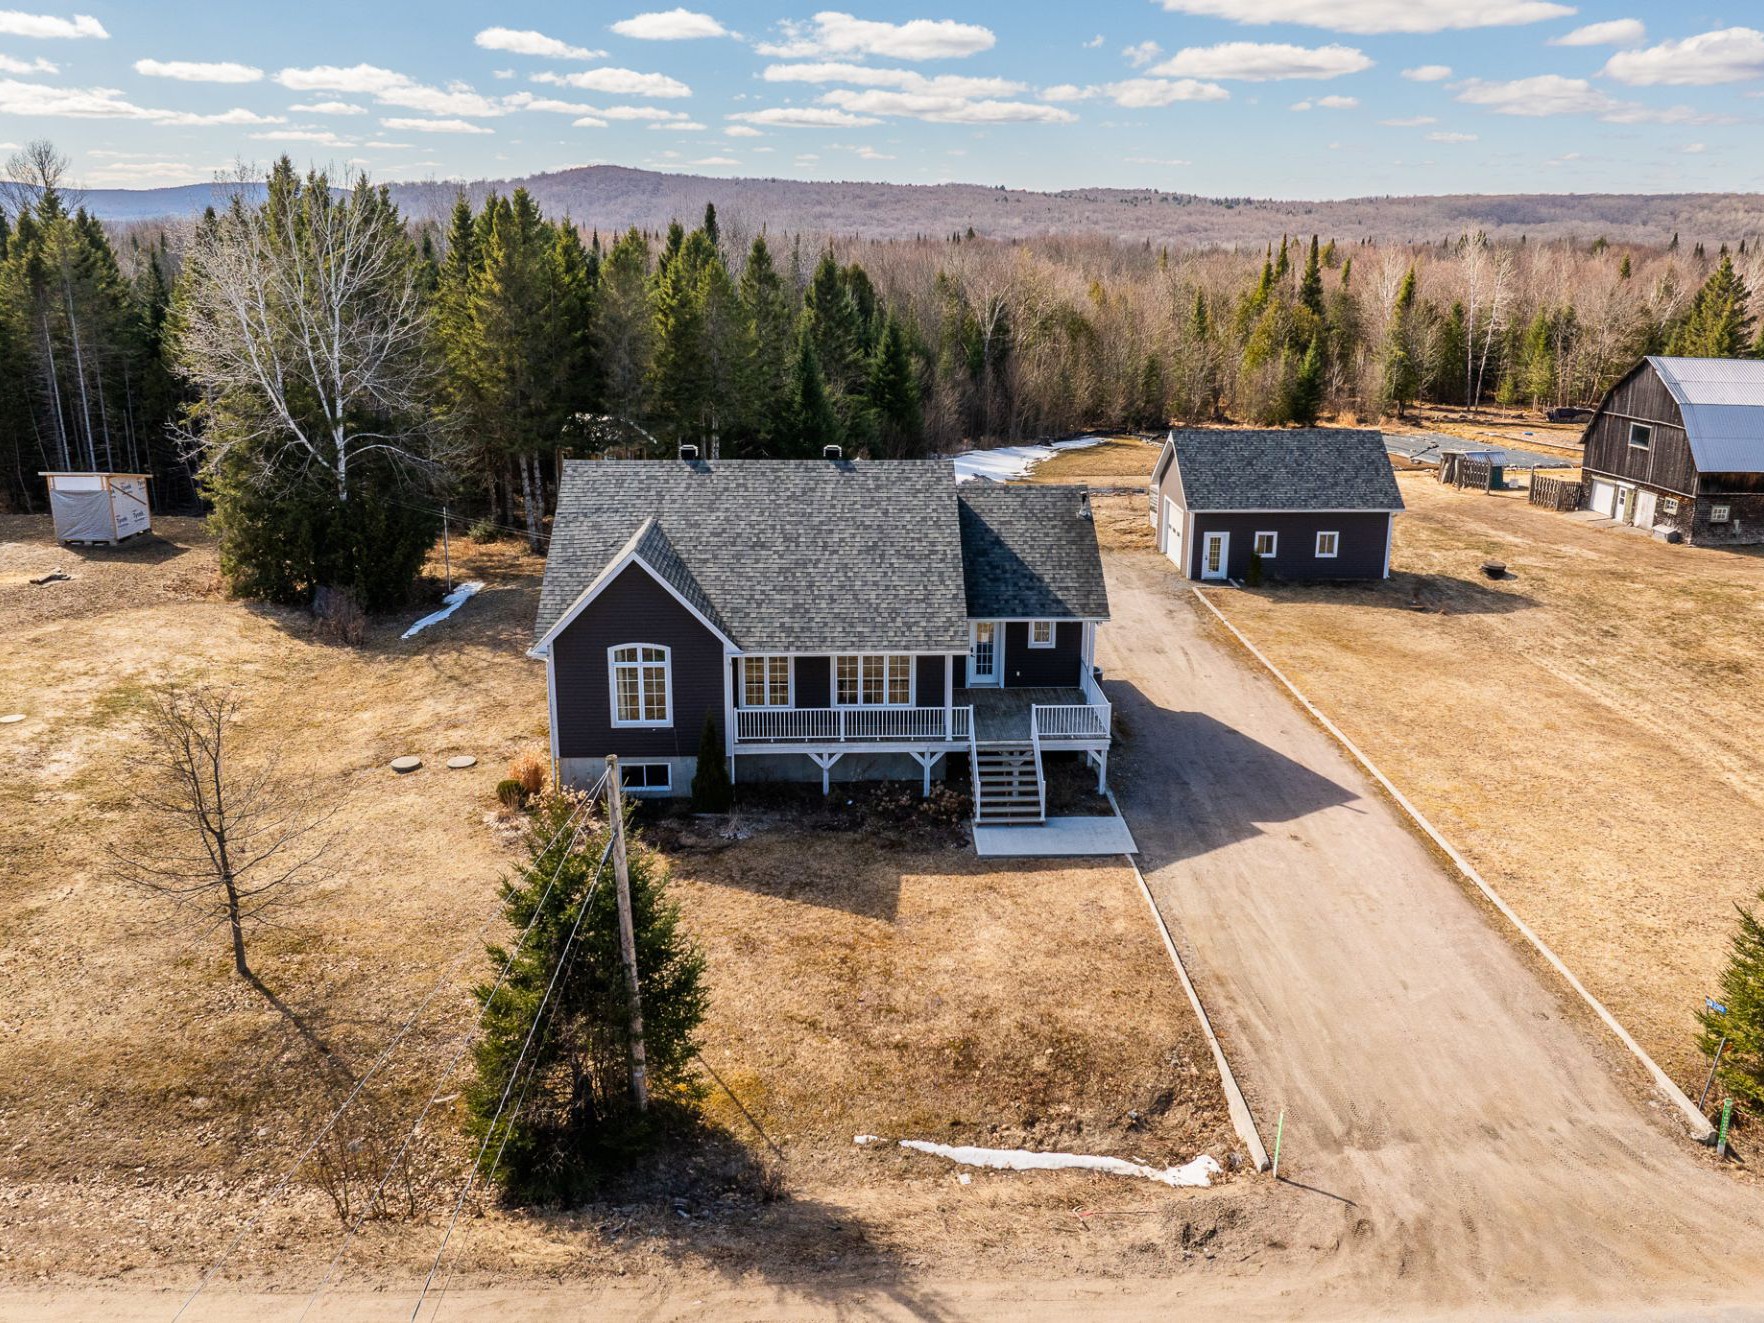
(147, 1097)
(1118, 461)
(1581, 729)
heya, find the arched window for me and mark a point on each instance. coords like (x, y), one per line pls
(640, 681)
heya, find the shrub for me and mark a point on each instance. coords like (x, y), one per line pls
(711, 791)
(1742, 992)
(530, 770)
(482, 530)
(1255, 569)
(511, 792)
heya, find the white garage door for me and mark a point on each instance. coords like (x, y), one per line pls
(1602, 496)
(1644, 508)
(1173, 532)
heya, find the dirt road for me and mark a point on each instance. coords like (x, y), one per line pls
(1458, 1133)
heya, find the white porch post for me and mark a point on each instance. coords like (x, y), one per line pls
(948, 698)
(729, 712)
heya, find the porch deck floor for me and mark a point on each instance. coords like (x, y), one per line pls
(1003, 714)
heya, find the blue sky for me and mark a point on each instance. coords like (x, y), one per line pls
(1288, 98)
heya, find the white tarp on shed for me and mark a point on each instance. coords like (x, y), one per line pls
(1722, 400)
(98, 507)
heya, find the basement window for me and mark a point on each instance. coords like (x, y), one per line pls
(653, 777)
(1668, 505)
(1041, 633)
(1266, 544)
(1328, 546)
(1641, 436)
(1720, 514)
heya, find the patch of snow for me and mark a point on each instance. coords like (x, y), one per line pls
(454, 600)
(1007, 462)
(864, 1139)
(1197, 1173)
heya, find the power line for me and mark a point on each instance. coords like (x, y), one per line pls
(355, 1092)
(464, 1041)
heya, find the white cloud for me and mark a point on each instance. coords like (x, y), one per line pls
(1145, 93)
(1451, 137)
(1256, 62)
(939, 108)
(320, 137)
(329, 108)
(41, 99)
(1409, 122)
(588, 122)
(134, 174)
(1428, 73)
(723, 161)
(1695, 148)
(679, 126)
(527, 101)
(525, 41)
(742, 131)
(1553, 94)
(1731, 55)
(435, 126)
(869, 153)
(909, 80)
(1617, 32)
(1094, 43)
(1373, 16)
(389, 88)
(1141, 54)
(37, 66)
(833, 33)
(670, 25)
(13, 23)
(1067, 92)
(1328, 103)
(237, 115)
(640, 112)
(803, 117)
(190, 71)
(619, 82)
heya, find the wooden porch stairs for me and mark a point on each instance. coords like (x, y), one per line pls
(1009, 789)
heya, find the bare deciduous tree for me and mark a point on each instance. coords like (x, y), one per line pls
(231, 841)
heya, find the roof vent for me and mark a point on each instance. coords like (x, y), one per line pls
(1084, 504)
(832, 452)
(689, 452)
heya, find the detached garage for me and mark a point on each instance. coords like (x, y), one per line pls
(98, 507)
(1311, 503)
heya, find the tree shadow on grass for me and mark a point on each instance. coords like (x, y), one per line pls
(1437, 594)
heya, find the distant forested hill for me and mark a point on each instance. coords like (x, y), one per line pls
(609, 197)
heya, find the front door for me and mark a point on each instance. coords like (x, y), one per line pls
(983, 666)
(1214, 549)
(1624, 513)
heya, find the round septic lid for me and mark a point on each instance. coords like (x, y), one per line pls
(463, 761)
(11, 719)
(408, 763)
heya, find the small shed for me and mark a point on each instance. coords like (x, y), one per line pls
(99, 507)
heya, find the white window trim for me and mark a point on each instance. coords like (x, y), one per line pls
(1668, 505)
(1273, 544)
(789, 682)
(912, 679)
(1328, 533)
(1726, 508)
(1053, 633)
(667, 786)
(1641, 445)
(612, 685)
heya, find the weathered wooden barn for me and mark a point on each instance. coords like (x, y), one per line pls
(1677, 445)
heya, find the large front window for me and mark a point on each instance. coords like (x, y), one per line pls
(873, 680)
(640, 685)
(765, 682)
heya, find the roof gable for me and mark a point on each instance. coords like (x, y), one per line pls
(1030, 553)
(1314, 468)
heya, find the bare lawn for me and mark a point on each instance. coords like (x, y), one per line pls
(866, 979)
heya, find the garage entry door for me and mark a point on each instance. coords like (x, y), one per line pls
(1173, 532)
(1602, 496)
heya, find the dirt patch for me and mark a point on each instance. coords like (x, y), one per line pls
(864, 980)
(1577, 728)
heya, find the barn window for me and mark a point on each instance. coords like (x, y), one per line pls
(1328, 546)
(640, 685)
(1668, 505)
(1641, 436)
(1266, 543)
(1041, 633)
(765, 682)
(1720, 514)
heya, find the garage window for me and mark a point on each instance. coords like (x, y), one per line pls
(1720, 514)
(1266, 543)
(1641, 436)
(1328, 546)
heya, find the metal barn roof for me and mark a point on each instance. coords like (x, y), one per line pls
(1722, 400)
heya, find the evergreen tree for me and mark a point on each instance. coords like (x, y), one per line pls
(813, 421)
(768, 348)
(550, 1105)
(1402, 371)
(1719, 323)
(1742, 992)
(892, 393)
(1305, 400)
(711, 790)
(623, 330)
(834, 324)
(711, 231)
(1311, 283)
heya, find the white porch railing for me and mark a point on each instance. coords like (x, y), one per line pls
(1074, 721)
(853, 725)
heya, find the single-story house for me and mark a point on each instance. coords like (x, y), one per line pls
(831, 619)
(1311, 503)
(1678, 445)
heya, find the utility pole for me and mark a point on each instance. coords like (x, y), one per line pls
(615, 811)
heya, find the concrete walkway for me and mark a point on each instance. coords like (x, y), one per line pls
(1458, 1129)
(1057, 838)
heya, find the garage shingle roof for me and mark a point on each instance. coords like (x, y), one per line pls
(1314, 468)
(1031, 553)
(781, 555)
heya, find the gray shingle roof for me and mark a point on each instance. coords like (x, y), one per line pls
(785, 556)
(1029, 554)
(1315, 468)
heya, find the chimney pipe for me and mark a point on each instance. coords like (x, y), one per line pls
(832, 452)
(1084, 504)
(689, 452)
